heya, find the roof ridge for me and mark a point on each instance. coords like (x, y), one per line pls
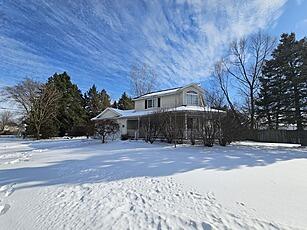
(158, 91)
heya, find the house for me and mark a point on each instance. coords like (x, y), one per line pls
(187, 102)
(11, 128)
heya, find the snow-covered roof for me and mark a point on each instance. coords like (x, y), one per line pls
(133, 113)
(118, 113)
(162, 92)
(195, 108)
(166, 91)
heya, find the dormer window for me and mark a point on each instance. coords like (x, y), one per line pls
(192, 98)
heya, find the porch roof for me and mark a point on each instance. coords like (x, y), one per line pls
(111, 113)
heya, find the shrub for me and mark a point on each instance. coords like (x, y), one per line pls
(124, 137)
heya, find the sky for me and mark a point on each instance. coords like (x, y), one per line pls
(97, 42)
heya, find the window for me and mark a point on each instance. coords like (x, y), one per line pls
(132, 124)
(192, 98)
(150, 103)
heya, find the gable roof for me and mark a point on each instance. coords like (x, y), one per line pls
(108, 113)
(168, 91)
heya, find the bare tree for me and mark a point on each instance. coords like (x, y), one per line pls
(172, 126)
(151, 127)
(6, 118)
(24, 93)
(105, 128)
(142, 79)
(214, 96)
(43, 107)
(244, 63)
(223, 81)
(37, 100)
(208, 128)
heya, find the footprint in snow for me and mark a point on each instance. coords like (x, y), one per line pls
(8, 189)
(240, 203)
(4, 208)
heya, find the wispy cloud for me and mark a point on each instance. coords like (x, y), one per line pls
(299, 2)
(98, 41)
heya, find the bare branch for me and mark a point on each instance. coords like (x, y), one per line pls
(142, 79)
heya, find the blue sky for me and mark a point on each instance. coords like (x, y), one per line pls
(98, 41)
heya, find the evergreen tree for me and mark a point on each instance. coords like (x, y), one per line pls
(105, 99)
(264, 102)
(282, 97)
(290, 58)
(271, 94)
(304, 81)
(96, 101)
(125, 102)
(71, 107)
(114, 105)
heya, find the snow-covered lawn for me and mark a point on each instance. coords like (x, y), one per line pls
(83, 184)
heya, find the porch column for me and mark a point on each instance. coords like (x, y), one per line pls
(186, 126)
(138, 132)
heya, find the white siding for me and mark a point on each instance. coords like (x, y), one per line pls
(108, 114)
(139, 105)
(200, 95)
(172, 100)
(122, 126)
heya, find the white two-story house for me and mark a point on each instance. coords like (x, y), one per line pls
(184, 100)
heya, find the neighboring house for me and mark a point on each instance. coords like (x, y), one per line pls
(187, 101)
(11, 128)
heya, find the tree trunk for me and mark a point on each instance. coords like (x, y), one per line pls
(252, 103)
(298, 117)
(37, 133)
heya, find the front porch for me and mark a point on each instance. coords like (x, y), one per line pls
(182, 126)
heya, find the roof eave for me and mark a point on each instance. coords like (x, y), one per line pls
(170, 93)
(162, 94)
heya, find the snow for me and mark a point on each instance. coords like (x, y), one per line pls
(196, 108)
(168, 91)
(138, 113)
(83, 184)
(159, 93)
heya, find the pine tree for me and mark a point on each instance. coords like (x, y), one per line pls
(282, 97)
(125, 102)
(264, 102)
(114, 105)
(105, 99)
(271, 95)
(71, 108)
(96, 101)
(291, 60)
(304, 81)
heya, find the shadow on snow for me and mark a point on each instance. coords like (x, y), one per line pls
(121, 160)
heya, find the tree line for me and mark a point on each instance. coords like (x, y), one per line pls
(58, 107)
(270, 80)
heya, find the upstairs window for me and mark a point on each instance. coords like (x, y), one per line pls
(151, 103)
(192, 98)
